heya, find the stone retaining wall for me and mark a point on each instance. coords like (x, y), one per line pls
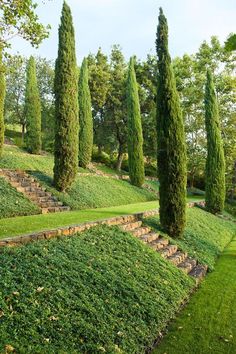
(73, 229)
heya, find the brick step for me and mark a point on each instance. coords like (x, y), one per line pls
(177, 258)
(168, 250)
(131, 225)
(151, 236)
(198, 272)
(187, 265)
(55, 209)
(159, 243)
(140, 231)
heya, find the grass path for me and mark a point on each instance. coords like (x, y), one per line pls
(27, 224)
(208, 323)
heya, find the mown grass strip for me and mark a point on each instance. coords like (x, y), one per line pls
(208, 324)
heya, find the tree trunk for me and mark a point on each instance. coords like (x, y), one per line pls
(119, 159)
(23, 133)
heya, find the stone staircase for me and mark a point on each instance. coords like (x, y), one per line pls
(31, 188)
(168, 251)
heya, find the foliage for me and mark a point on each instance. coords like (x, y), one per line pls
(116, 108)
(190, 72)
(205, 236)
(215, 163)
(208, 323)
(15, 91)
(85, 118)
(171, 141)
(66, 105)
(230, 44)
(19, 18)
(147, 80)
(135, 134)
(13, 203)
(106, 300)
(45, 77)
(2, 99)
(32, 110)
(99, 84)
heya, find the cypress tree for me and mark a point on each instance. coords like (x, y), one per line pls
(2, 98)
(32, 110)
(135, 135)
(66, 105)
(85, 118)
(171, 150)
(215, 163)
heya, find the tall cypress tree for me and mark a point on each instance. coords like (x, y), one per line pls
(135, 134)
(215, 163)
(85, 118)
(2, 99)
(171, 140)
(66, 105)
(32, 110)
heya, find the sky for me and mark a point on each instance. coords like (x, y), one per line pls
(132, 24)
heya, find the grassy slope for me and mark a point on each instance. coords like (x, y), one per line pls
(205, 235)
(97, 192)
(86, 192)
(208, 323)
(13, 203)
(103, 291)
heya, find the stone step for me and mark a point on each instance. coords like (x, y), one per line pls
(140, 231)
(177, 258)
(131, 225)
(168, 250)
(159, 243)
(198, 272)
(50, 204)
(55, 209)
(30, 184)
(45, 199)
(38, 194)
(187, 265)
(34, 189)
(151, 236)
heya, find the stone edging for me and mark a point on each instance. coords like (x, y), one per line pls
(72, 229)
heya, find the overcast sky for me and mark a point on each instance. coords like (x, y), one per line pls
(132, 24)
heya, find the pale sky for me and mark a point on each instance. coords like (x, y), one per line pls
(132, 24)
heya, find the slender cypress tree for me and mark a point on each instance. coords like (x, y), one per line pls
(85, 118)
(2, 99)
(32, 110)
(66, 105)
(135, 134)
(171, 140)
(215, 163)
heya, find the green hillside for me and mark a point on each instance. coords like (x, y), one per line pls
(101, 291)
(86, 192)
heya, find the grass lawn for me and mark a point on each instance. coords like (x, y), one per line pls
(208, 323)
(205, 235)
(13, 203)
(103, 291)
(23, 225)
